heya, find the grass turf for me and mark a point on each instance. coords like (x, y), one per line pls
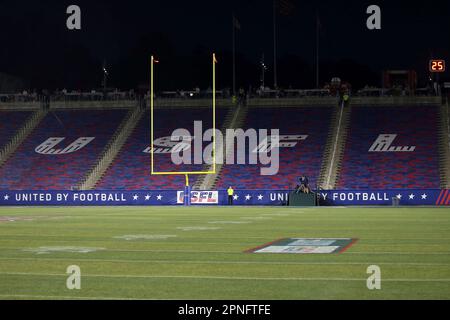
(410, 245)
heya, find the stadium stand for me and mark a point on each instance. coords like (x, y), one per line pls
(303, 158)
(131, 169)
(415, 126)
(11, 122)
(30, 170)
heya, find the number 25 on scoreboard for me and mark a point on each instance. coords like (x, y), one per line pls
(437, 65)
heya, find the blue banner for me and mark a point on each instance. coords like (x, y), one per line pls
(220, 197)
(409, 197)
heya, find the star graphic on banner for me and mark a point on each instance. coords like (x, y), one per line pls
(399, 196)
(135, 197)
(411, 196)
(235, 197)
(424, 196)
(6, 197)
(159, 197)
(260, 197)
(147, 197)
(247, 197)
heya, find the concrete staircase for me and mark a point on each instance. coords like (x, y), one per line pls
(234, 119)
(21, 135)
(112, 149)
(444, 145)
(334, 149)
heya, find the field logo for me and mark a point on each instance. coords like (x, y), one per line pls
(305, 245)
(74, 280)
(200, 197)
(383, 144)
(374, 280)
(47, 147)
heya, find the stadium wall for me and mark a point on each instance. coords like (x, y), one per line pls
(20, 106)
(408, 197)
(393, 101)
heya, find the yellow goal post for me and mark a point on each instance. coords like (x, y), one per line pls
(152, 107)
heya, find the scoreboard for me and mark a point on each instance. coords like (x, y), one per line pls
(437, 66)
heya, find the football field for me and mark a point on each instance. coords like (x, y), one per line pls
(204, 252)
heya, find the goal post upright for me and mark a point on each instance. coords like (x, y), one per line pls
(151, 113)
(187, 192)
(152, 106)
(214, 61)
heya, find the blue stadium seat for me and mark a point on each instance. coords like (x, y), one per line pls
(415, 126)
(303, 158)
(10, 123)
(28, 169)
(131, 169)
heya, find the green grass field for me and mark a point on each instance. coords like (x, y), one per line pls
(204, 256)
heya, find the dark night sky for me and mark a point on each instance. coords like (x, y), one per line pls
(36, 45)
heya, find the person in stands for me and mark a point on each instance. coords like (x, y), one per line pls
(304, 184)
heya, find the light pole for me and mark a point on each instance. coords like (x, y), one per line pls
(263, 72)
(105, 78)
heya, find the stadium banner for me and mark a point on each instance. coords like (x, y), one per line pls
(200, 197)
(219, 197)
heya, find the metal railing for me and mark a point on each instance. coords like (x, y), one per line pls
(93, 96)
(20, 97)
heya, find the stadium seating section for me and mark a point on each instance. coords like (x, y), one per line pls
(27, 169)
(131, 169)
(304, 158)
(10, 123)
(414, 126)
(360, 169)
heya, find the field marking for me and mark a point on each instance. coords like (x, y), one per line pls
(289, 216)
(229, 222)
(260, 217)
(240, 252)
(252, 250)
(217, 277)
(67, 297)
(400, 253)
(353, 241)
(34, 236)
(198, 228)
(129, 237)
(281, 214)
(64, 249)
(227, 262)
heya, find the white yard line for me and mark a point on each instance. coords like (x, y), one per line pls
(65, 297)
(217, 277)
(239, 252)
(226, 262)
(290, 235)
